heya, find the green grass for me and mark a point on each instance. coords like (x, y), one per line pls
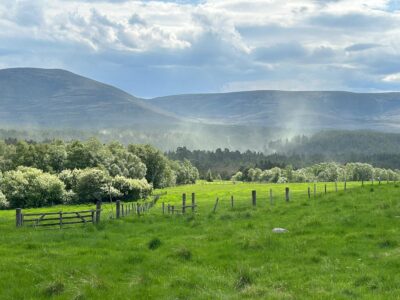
(343, 245)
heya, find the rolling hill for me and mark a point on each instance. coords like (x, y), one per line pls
(58, 98)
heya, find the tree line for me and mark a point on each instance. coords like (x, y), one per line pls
(323, 172)
(40, 174)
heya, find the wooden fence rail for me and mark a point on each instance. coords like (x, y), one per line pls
(84, 216)
(58, 218)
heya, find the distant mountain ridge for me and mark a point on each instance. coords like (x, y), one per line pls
(53, 98)
(298, 110)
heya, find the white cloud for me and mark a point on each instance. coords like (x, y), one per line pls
(225, 43)
(392, 78)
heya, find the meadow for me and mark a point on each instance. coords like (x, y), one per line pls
(342, 245)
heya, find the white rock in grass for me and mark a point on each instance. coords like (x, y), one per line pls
(279, 230)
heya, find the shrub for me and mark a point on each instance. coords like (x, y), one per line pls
(3, 201)
(132, 189)
(92, 185)
(30, 187)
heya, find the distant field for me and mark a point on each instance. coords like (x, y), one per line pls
(341, 245)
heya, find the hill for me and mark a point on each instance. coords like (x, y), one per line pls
(292, 110)
(58, 98)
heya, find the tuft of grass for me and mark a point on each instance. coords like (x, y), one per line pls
(154, 244)
(244, 279)
(183, 254)
(54, 288)
(387, 243)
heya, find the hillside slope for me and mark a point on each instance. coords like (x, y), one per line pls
(296, 110)
(58, 98)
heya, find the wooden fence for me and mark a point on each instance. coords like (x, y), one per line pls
(172, 209)
(84, 216)
(58, 218)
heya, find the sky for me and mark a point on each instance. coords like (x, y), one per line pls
(157, 48)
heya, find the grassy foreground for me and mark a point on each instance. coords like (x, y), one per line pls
(341, 245)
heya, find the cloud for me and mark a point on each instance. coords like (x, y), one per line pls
(392, 78)
(152, 48)
(362, 47)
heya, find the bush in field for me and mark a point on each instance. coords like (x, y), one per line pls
(30, 187)
(237, 177)
(185, 172)
(92, 185)
(209, 176)
(132, 189)
(3, 201)
(359, 171)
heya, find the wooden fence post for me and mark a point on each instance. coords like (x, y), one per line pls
(215, 205)
(325, 188)
(287, 194)
(98, 211)
(336, 185)
(163, 208)
(122, 210)
(61, 218)
(271, 199)
(345, 185)
(183, 203)
(118, 208)
(93, 216)
(309, 192)
(232, 201)
(173, 209)
(18, 217)
(254, 197)
(193, 202)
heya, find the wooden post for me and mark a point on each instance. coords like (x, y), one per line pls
(118, 208)
(183, 203)
(345, 185)
(254, 197)
(325, 188)
(122, 210)
(315, 190)
(336, 185)
(232, 204)
(271, 199)
(93, 216)
(61, 218)
(379, 178)
(193, 202)
(169, 208)
(173, 209)
(309, 192)
(287, 194)
(98, 211)
(163, 208)
(215, 205)
(18, 217)
(138, 209)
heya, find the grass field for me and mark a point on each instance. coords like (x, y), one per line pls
(341, 245)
